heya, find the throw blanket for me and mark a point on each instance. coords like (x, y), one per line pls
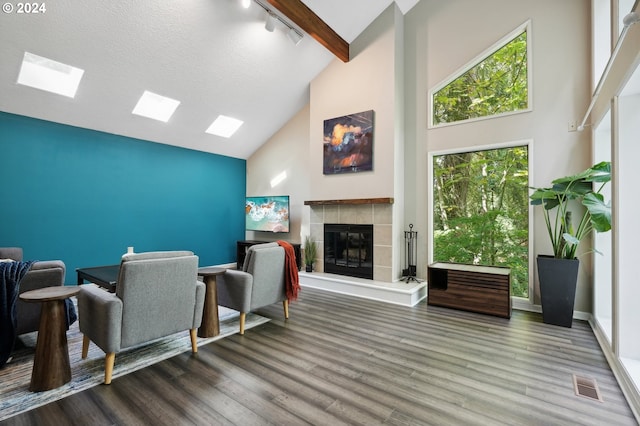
(291, 283)
(11, 273)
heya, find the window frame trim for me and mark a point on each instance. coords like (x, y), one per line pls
(526, 26)
(524, 303)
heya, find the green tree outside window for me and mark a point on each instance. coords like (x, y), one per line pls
(498, 84)
(481, 211)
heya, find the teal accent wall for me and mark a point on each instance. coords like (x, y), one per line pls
(84, 196)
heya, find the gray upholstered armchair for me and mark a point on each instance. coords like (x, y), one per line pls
(46, 273)
(261, 282)
(157, 294)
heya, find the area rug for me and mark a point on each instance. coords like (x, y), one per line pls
(16, 398)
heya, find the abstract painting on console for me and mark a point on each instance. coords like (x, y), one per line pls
(348, 144)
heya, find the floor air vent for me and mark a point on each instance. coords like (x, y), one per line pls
(586, 387)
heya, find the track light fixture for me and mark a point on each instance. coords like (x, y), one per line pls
(270, 25)
(294, 36)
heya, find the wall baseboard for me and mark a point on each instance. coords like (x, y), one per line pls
(524, 305)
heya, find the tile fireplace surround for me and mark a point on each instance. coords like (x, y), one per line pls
(377, 212)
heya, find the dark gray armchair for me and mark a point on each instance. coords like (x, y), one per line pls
(46, 273)
(261, 282)
(157, 294)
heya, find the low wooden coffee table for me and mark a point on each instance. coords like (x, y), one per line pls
(51, 367)
(210, 326)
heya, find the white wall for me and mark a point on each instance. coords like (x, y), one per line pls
(443, 36)
(366, 82)
(288, 151)
(372, 79)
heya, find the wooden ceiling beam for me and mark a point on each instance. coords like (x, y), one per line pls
(311, 24)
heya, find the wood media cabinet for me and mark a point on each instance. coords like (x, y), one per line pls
(475, 288)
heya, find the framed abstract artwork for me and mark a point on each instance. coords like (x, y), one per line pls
(348, 144)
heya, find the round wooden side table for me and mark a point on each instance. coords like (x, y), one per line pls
(51, 367)
(210, 326)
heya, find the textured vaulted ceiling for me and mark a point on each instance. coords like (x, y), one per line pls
(212, 55)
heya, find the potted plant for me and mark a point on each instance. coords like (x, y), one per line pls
(558, 274)
(310, 252)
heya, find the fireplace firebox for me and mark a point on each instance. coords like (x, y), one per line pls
(348, 250)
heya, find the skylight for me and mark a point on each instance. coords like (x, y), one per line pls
(152, 105)
(224, 126)
(47, 74)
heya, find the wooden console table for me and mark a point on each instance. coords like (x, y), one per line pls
(475, 288)
(51, 367)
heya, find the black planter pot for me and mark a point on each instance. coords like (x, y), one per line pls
(308, 268)
(558, 279)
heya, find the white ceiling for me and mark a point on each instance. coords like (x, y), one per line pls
(212, 55)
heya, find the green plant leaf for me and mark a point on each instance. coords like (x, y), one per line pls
(599, 210)
(545, 196)
(580, 186)
(572, 188)
(570, 238)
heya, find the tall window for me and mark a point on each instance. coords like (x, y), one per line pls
(497, 83)
(481, 211)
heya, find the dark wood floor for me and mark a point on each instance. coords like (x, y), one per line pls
(342, 360)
